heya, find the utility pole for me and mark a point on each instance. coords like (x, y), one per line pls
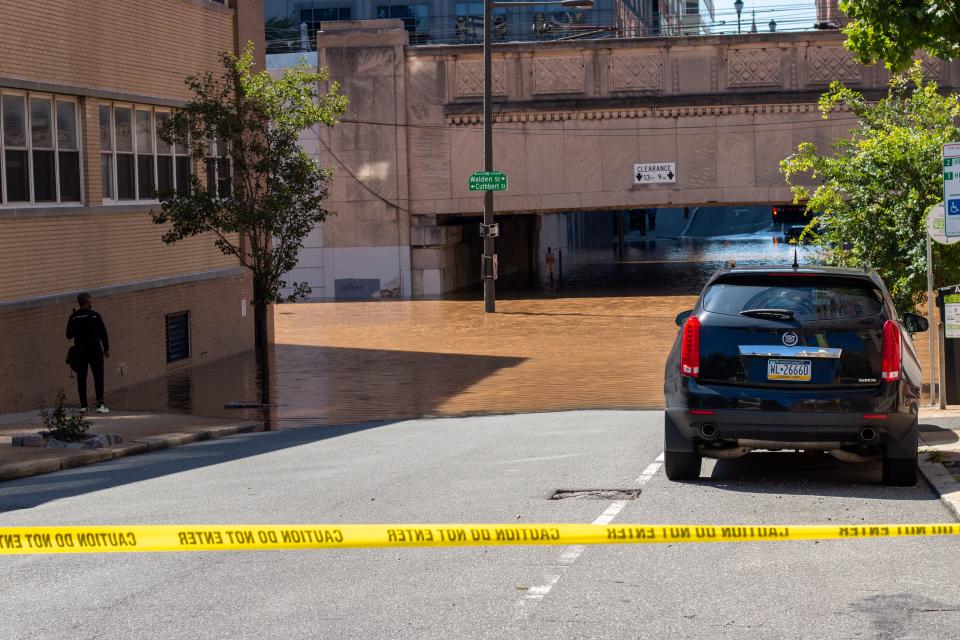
(489, 290)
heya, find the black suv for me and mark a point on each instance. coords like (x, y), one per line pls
(810, 358)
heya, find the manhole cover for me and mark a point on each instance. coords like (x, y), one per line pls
(596, 494)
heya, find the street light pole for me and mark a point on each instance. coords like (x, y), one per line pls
(738, 5)
(489, 291)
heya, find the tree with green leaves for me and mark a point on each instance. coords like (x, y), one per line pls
(263, 194)
(893, 30)
(875, 187)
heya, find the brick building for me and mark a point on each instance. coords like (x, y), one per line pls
(83, 87)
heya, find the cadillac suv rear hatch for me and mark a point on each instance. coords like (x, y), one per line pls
(791, 330)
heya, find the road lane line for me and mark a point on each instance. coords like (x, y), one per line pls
(650, 471)
(571, 553)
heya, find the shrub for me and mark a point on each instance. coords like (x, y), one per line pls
(60, 425)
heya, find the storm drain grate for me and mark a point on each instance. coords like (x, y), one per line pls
(595, 494)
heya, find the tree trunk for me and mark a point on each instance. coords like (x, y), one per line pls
(262, 344)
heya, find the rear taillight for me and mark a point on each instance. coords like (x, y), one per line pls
(890, 353)
(690, 348)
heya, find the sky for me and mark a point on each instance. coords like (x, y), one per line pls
(791, 15)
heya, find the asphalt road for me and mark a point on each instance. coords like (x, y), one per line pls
(493, 469)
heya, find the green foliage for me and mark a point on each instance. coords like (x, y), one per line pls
(277, 191)
(60, 425)
(893, 30)
(875, 188)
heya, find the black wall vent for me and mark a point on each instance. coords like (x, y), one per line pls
(178, 336)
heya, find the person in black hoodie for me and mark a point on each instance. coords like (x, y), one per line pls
(91, 345)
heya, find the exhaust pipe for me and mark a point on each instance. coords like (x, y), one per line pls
(708, 431)
(867, 434)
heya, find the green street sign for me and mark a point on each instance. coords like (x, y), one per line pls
(488, 181)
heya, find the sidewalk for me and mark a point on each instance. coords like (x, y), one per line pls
(940, 453)
(140, 433)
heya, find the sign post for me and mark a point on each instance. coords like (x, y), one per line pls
(936, 232)
(951, 188)
(930, 309)
(488, 181)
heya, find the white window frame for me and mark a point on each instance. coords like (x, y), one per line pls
(213, 157)
(114, 198)
(25, 96)
(134, 108)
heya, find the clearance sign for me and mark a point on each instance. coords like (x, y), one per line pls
(166, 538)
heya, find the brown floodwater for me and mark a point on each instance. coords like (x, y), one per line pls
(354, 362)
(598, 341)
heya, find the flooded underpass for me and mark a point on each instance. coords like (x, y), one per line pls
(598, 339)
(654, 251)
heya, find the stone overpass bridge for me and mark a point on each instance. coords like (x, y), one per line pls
(572, 119)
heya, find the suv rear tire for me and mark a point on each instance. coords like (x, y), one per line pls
(900, 472)
(682, 465)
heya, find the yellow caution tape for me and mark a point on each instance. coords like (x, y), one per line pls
(98, 539)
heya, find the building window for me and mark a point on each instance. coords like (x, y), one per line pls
(468, 22)
(135, 164)
(415, 17)
(178, 336)
(39, 149)
(146, 165)
(313, 17)
(218, 168)
(558, 21)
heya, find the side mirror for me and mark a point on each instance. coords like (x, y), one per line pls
(682, 317)
(915, 323)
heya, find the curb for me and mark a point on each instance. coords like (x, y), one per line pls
(943, 483)
(28, 468)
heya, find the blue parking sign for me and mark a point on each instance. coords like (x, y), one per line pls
(951, 221)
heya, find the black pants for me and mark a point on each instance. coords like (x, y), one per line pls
(95, 363)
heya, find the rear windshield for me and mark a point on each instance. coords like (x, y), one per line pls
(824, 302)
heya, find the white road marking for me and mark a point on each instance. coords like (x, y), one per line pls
(648, 473)
(612, 512)
(571, 553)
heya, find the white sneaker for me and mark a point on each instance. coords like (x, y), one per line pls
(83, 409)
(102, 408)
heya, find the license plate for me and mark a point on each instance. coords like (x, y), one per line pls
(788, 370)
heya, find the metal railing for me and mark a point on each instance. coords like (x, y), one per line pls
(539, 25)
